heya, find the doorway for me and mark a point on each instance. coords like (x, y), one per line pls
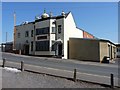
(60, 50)
(26, 49)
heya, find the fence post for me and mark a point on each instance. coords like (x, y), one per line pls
(22, 65)
(74, 78)
(112, 80)
(4, 60)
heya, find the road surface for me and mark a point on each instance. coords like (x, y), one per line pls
(85, 67)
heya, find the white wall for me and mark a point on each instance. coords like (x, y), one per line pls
(22, 40)
(52, 36)
(70, 30)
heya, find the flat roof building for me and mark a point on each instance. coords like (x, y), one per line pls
(118, 50)
(91, 49)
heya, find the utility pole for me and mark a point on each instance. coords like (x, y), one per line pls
(14, 19)
(14, 32)
(6, 37)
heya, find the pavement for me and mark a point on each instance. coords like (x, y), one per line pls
(87, 71)
(13, 78)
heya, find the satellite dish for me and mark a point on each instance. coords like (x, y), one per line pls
(26, 22)
(37, 17)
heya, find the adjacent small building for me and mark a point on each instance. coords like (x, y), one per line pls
(7, 47)
(91, 49)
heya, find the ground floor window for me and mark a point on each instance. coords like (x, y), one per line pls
(32, 46)
(42, 45)
(53, 46)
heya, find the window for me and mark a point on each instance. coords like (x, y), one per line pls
(26, 41)
(117, 50)
(40, 31)
(53, 29)
(42, 45)
(32, 46)
(53, 22)
(18, 35)
(41, 37)
(59, 29)
(26, 34)
(31, 33)
(53, 46)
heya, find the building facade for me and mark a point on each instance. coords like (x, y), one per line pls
(48, 35)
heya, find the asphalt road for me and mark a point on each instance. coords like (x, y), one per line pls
(82, 67)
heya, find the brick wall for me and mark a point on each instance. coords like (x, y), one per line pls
(87, 35)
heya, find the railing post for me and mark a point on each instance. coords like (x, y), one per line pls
(74, 78)
(4, 60)
(112, 80)
(22, 65)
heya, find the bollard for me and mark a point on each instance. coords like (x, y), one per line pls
(22, 65)
(4, 60)
(112, 81)
(20, 52)
(74, 78)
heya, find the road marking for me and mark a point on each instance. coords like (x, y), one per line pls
(72, 71)
(73, 61)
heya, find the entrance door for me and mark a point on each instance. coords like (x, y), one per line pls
(60, 50)
(26, 49)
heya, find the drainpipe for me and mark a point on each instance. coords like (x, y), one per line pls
(56, 38)
(34, 40)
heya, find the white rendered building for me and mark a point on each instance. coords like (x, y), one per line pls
(47, 35)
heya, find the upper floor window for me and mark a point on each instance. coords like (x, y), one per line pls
(53, 29)
(41, 37)
(18, 35)
(59, 29)
(26, 34)
(53, 22)
(31, 33)
(40, 31)
(118, 49)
